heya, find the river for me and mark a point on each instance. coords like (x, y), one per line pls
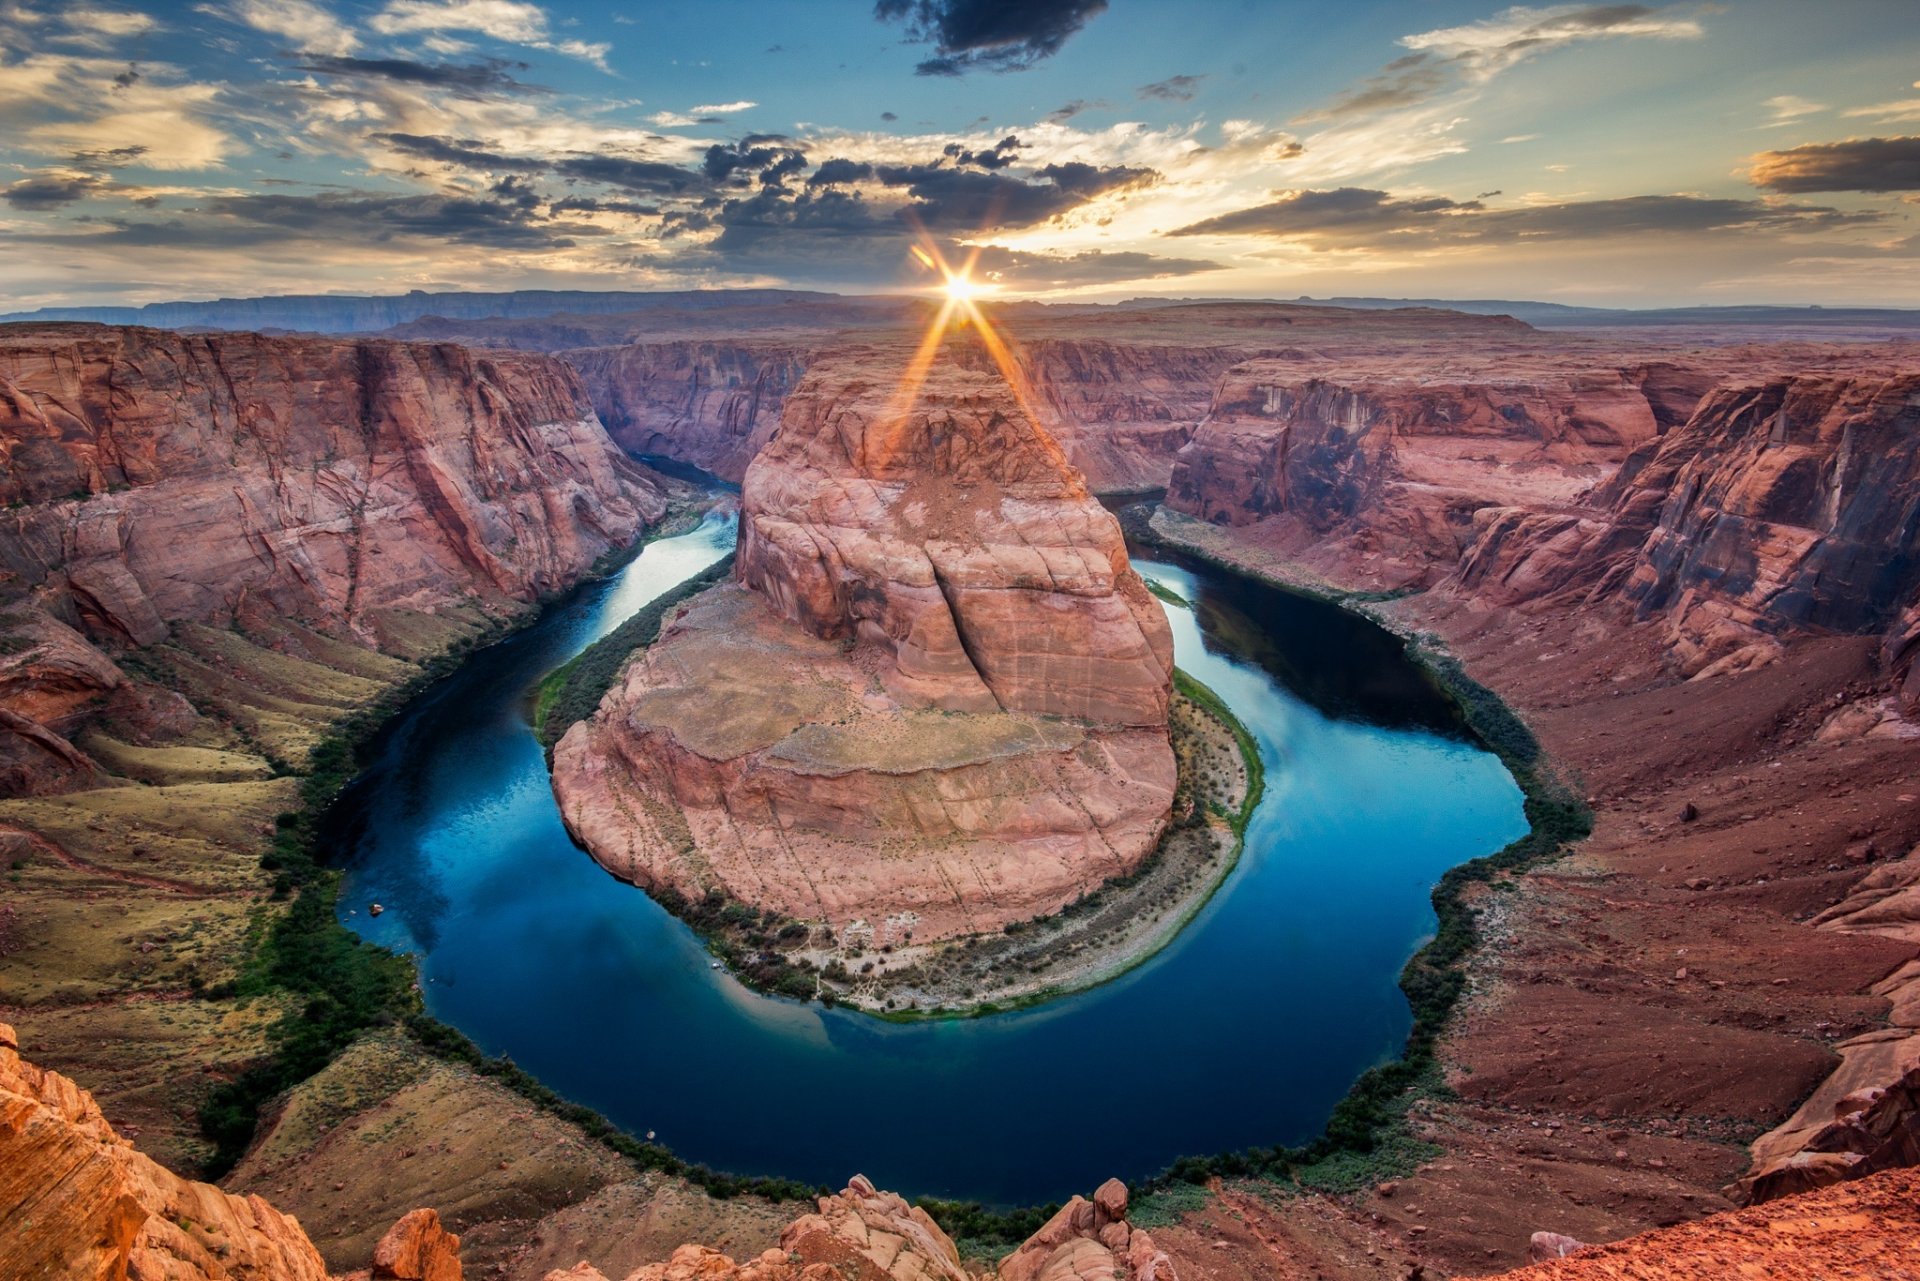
(1246, 1030)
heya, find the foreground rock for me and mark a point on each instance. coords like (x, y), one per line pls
(1865, 1231)
(79, 1201)
(936, 701)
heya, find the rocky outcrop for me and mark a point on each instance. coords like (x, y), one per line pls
(417, 1248)
(709, 403)
(935, 703)
(1863, 1230)
(1392, 470)
(1090, 1241)
(80, 1202)
(154, 478)
(1122, 410)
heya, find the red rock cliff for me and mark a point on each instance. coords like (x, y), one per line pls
(153, 478)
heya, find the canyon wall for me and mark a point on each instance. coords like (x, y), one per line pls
(1382, 472)
(154, 479)
(1782, 507)
(709, 403)
(935, 702)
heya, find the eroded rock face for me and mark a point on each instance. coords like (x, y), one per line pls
(1392, 469)
(154, 478)
(79, 1201)
(1090, 1241)
(935, 703)
(1780, 507)
(709, 403)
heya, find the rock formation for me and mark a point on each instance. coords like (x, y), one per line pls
(79, 1201)
(935, 702)
(154, 478)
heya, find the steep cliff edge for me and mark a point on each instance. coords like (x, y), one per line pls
(936, 701)
(154, 479)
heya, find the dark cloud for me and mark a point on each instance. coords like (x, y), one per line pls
(1405, 82)
(511, 221)
(1338, 211)
(770, 157)
(1092, 267)
(50, 191)
(1360, 216)
(888, 116)
(640, 177)
(837, 172)
(991, 35)
(112, 158)
(1172, 89)
(1858, 164)
(1062, 114)
(1000, 155)
(471, 79)
(588, 204)
(966, 200)
(467, 153)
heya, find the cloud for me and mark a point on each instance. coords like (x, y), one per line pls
(1448, 60)
(1857, 164)
(991, 35)
(495, 222)
(1033, 271)
(166, 122)
(1358, 216)
(724, 108)
(488, 76)
(642, 177)
(967, 201)
(507, 20)
(1172, 89)
(1904, 111)
(466, 153)
(1342, 211)
(1487, 47)
(50, 190)
(307, 26)
(1786, 109)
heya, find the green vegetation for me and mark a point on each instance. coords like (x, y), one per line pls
(1249, 750)
(570, 692)
(1166, 593)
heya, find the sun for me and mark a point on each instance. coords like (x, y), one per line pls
(963, 288)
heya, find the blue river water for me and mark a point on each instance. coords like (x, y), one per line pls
(1246, 1030)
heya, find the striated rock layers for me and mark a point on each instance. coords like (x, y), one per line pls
(710, 403)
(934, 703)
(1786, 506)
(1375, 470)
(152, 478)
(80, 1202)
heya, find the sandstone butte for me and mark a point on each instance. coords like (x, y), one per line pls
(150, 479)
(82, 1204)
(934, 701)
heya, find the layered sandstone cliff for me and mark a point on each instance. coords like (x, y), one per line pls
(711, 403)
(934, 703)
(153, 479)
(1782, 507)
(1377, 468)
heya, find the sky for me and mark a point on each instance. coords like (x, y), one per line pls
(1751, 151)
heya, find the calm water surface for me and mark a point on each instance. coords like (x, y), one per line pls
(1245, 1031)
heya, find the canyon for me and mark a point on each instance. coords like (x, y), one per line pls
(1689, 566)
